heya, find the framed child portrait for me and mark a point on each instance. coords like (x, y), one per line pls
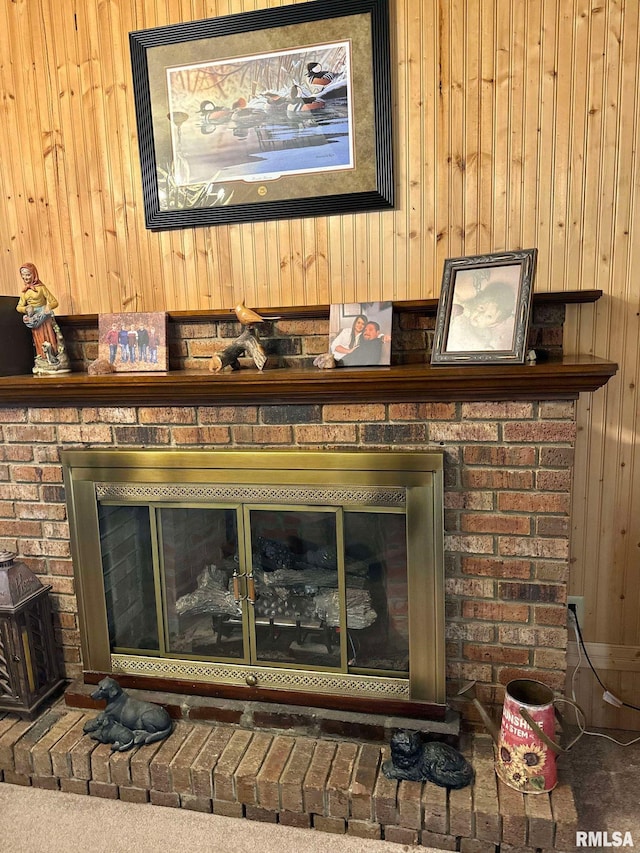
(484, 309)
(360, 333)
(134, 342)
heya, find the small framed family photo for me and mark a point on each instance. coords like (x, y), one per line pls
(484, 309)
(360, 333)
(133, 342)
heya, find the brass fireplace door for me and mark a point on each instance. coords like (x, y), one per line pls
(287, 570)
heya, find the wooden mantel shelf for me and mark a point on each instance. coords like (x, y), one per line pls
(553, 380)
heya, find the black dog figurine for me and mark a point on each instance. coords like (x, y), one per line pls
(415, 761)
(111, 732)
(126, 722)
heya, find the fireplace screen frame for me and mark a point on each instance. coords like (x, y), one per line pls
(413, 478)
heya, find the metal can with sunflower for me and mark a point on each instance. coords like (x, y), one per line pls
(526, 749)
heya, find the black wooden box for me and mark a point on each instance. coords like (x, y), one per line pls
(16, 343)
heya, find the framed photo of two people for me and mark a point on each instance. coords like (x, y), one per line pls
(360, 333)
(484, 309)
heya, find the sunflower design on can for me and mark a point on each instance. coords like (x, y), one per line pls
(532, 755)
(507, 756)
(516, 777)
(520, 766)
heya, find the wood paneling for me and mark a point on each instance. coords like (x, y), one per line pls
(515, 125)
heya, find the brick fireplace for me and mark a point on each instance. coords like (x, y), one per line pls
(507, 435)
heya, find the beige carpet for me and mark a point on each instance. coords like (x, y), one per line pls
(36, 821)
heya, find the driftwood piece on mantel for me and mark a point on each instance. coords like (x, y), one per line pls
(246, 343)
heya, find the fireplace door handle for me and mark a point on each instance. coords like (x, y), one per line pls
(250, 595)
(251, 589)
(236, 587)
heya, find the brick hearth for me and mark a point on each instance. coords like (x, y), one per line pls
(331, 785)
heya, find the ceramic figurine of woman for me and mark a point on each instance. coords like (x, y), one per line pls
(36, 303)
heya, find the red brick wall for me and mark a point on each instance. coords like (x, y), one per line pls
(507, 478)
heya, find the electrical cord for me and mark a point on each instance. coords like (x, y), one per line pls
(593, 669)
(581, 649)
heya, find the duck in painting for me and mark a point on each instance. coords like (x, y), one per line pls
(213, 116)
(246, 116)
(331, 85)
(318, 76)
(275, 102)
(299, 102)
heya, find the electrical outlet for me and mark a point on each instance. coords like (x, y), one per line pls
(576, 602)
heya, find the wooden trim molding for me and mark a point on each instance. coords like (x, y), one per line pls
(605, 657)
(563, 379)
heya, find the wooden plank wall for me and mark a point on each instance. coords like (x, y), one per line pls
(516, 125)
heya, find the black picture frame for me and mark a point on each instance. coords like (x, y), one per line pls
(484, 309)
(197, 79)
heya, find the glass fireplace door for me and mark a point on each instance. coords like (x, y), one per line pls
(253, 584)
(296, 585)
(166, 574)
(201, 558)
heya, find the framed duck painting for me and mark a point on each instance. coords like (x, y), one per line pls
(271, 114)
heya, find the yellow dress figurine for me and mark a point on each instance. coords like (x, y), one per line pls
(36, 303)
